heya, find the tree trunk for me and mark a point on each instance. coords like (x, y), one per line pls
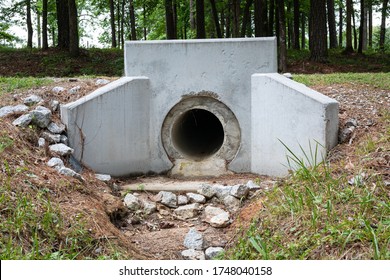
(132, 21)
(361, 28)
(271, 18)
(63, 24)
(317, 31)
(259, 11)
(365, 31)
(340, 25)
(382, 35)
(228, 20)
(45, 44)
(348, 47)
(169, 19)
(303, 31)
(296, 25)
(73, 29)
(236, 18)
(246, 17)
(118, 22)
(288, 21)
(112, 21)
(355, 39)
(370, 24)
(200, 23)
(216, 20)
(282, 37)
(332, 24)
(29, 25)
(122, 24)
(39, 39)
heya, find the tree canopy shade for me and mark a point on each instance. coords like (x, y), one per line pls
(62, 23)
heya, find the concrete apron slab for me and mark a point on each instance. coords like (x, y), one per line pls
(170, 186)
(200, 108)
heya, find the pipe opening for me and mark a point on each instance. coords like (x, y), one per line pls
(198, 134)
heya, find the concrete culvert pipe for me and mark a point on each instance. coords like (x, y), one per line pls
(201, 128)
(197, 134)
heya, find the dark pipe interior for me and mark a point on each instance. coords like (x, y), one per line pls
(198, 134)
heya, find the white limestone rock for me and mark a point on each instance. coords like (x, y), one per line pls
(252, 186)
(61, 149)
(32, 99)
(232, 203)
(58, 89)
(196, 198)
(220, 221)
(182, 200)
(41, 142)
(41, 116)
(222, 191)
(56, 128)
(55, 162)
(69, 172)
(216, 217)
(103, 177)
(194, 240)
(187, 211)
(64, 140)
(74, 90)
(192, 254)
(23, 120)
(10, 110)
(239, 191)
(132, 202)
(167, 198)
(212, 252)
(54, 105)
(149, 207)
(101, 82)
(51, 138)
(207, 191)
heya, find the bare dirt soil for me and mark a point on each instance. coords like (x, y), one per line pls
(161, 235)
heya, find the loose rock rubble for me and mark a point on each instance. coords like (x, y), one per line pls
(212, 207)
(40, 112)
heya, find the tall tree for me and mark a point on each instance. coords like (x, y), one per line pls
(112, 22)
(246, 17)
(200, 22)
(303, 31)
(132, 21)
(74, 49)
(29, 24)
(216, 20)
(317, 31)
(63, 24)
(383, 26)
(236, 18)
(340, 24)
(349, 47)
(282, 36)
(361, 28)
(45, 44)
(332, 24)
(296, 25)
(370, 23)
(271, 18)
(170, 20)
(260, 29)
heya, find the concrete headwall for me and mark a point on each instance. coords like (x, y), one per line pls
(288, 113)
(188, 67)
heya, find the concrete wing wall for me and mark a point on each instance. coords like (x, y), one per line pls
(109, 128)
(287, 112)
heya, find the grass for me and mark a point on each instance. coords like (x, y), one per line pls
(378, 80)
(10, 84)
(320, 217)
